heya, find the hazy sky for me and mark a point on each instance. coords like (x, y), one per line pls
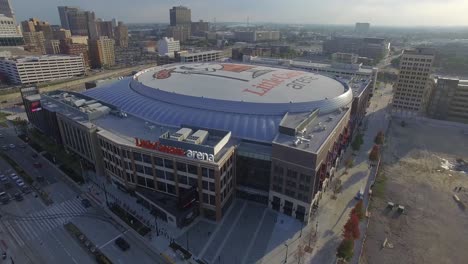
(377, 12)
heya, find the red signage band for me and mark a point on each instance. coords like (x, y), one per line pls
(159, 147)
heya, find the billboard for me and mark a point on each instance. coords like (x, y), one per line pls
(35, 106)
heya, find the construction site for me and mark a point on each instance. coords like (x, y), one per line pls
(418, 208)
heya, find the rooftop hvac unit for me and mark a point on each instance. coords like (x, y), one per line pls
(198, 137)
(182, 134)
(297, 142)
(79, 102)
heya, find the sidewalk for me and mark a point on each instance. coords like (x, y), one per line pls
(166, 232)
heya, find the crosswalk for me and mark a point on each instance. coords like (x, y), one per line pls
(34, 225)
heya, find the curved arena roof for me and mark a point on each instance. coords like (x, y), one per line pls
(247, 100)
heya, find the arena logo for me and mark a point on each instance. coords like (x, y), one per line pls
(174, 150)
(267, 85)
(200, 155)
(163, 74)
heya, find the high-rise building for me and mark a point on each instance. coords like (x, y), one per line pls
(36, 25)
(180, 32)
(121, 35)
(180, 15)
(414, 84)
(101, 52)
(9, 35)
(449, 100)
(61, 34)
(105, 28)
(373, 48)
(362, 28)
(115, 22)
(63, 13)
(67, 46)
(167, 46)
(199, 28)
(7, 10)
(79, 40)
(52, 46)
(34, 41)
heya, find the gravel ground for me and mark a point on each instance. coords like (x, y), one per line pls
(434, 227)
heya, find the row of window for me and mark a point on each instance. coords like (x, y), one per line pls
(417, 59)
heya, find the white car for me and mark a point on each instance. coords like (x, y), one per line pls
(12, 146)
(14, 177)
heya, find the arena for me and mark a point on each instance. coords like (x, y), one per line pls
(200, 135)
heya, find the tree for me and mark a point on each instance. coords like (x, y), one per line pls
(356, 145)
(379, 139)
(346, 249)
(351, 228)
(359, 210)
(349, 163)
(374, 154)
(21, 126)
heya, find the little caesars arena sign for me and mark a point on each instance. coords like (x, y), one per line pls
(174, 150)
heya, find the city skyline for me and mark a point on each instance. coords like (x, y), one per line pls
(382, 12)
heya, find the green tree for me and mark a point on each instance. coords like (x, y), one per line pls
(346, 249)
(21, 126)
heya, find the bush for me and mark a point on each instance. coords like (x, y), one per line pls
(351, 228)
(346, 249)
(359, 210)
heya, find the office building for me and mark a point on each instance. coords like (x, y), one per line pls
(30, 70)
(373, 48)
(415, 83)
(63, 14)
(257, 36)
(105, 28)
(34, 41)
(449, 100)
(362, 28)
(9, 35)
(167, 46)
(180, 15)
(36, 25)
(121, 35)
(52, 46)
(199, 28)
(62, 34)
(7, 9)
(67, 46)
(180, 32)
(79, 39)
(101, 52)
(272, 143)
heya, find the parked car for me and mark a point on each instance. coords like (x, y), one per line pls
(122, 244)
(18, 196)
(86, 203)
(14, 177)
(5, 147)
(12, 146)
(5, 198)
(37, 165)
(26, 189)
(22, 145)
(3, 178)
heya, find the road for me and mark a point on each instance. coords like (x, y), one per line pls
(333, 213)
(31, 231)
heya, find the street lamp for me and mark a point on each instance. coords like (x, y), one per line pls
(286, 257)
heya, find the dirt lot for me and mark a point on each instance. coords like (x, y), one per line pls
(434, 227)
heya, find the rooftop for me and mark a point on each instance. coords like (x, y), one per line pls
(242, 83)
(41, 58)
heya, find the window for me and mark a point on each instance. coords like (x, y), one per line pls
(192, 169)
(160, 174)
(146, 158)
(193, 182)
(137, 156)
(169, 176)
(183, 179)
(149, 183)
(292, 174)
(148, 170)
(212, 186)
(181, 167)
(212, 200)
(171, 189)
(205, 198)
(204, 172)
(139, 168)
(168, 164)
(141, 181)
(162, 186)
(205, 185)
(211, 173)
(159, 161)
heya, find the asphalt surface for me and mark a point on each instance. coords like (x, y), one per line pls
(31, 232)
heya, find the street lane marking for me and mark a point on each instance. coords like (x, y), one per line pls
(110, 241)
(254, 237)
(13, 233)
